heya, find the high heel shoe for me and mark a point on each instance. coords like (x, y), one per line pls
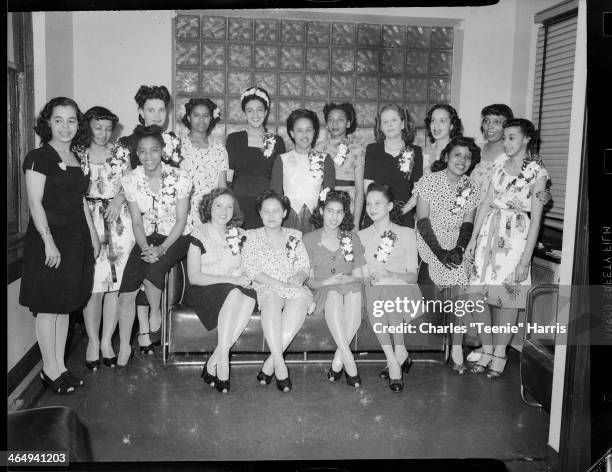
(384, 374)
(222, 386)
(353, 381)
(496, 367)
(396, 385)
(482, 364)
(72, 380)
(92, 365)
(334, 376)
(110, 361)
(149, 349)
(120, 369)
(263, 378)
(285, 384)
(59, 386)
(155, 337)
(459, 368)
(407, 364)
(208, 377)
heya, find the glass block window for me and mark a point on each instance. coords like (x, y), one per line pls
(305, 63)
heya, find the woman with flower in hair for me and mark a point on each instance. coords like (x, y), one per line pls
(447, 201)
(61, 242)
(390, 272)
(275, 259)
(158, 199)
(153, 102)
(218, 290)
(205, 162)
(336, 259)
(393, 159)
(302, 173)
(348, 154)
(252, 154)
(105, 162)
(505, 234)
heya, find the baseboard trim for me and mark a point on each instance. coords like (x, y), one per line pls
(23, 368)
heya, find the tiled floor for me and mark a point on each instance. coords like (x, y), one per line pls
(157, 414)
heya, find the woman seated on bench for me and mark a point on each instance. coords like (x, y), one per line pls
(219, 292)
(276, 260)
(336, 258)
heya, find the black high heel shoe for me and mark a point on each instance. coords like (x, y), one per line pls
(334, 376)
(222, 386)
(72, 380)
(396, 385)
(149, 349)
(384, 374)
(285, 384)
(208, 377)
(263, 378)
(59, 386)
(353, 381)
(92, 365)
(407, 364)
(155, 337)
(110, 361)
(119, 369)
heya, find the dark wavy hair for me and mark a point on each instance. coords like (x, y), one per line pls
(209, 104)
(408, 131)
(395, 215)
(99, 113)
(153, 131)
(43, 129)
(463, 141)
(528, 129)
(348, 110)
(303, 113)
(147, 92)
(498, 109)
(341, 197)
(207, 201)
(272, 195)
(455, 121)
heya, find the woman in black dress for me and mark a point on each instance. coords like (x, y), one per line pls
(219, 292)
(393, 160)
(252, 153)
(61, 243)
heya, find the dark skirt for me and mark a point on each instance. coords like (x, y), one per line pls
(136, 270)
(320, 295)
(207, 300)
(251, 217)
(299, 221)
(61, 290)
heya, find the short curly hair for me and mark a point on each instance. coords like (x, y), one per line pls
(209, 104)
(497, 109)
(309, 115)
(462, 141)
(43, 129)
(272, 195)
(408, 131)
(341, 197)
(455, 121)
(348, 110)
(205, 207)
(528, 129)
(148, 92)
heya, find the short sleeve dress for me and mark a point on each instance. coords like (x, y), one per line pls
(259, 256)
(116, 237)
(385, 169)
(447, 208)
(301, 177)
(325, 263)
(219, 256)
(252, 171)
(204, 167)
(395, 250)
(503, 236)
(67, 288)
(483, 172)
(348, 156)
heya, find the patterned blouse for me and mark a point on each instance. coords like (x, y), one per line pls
(345, 162)
(158, 209)
(483, 174)
(220, 255)
(259, 256)
(106, 177)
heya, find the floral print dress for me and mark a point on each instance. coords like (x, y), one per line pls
(116, 237)
(503, 236)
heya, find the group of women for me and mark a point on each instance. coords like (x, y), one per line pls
(110, 218)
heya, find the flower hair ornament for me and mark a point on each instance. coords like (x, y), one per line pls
(215, 113)
(257, 93)
(323, 194)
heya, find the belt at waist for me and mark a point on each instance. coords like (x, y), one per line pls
(344, 183)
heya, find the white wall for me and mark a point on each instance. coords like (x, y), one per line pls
(20, 332)
(116, 52)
